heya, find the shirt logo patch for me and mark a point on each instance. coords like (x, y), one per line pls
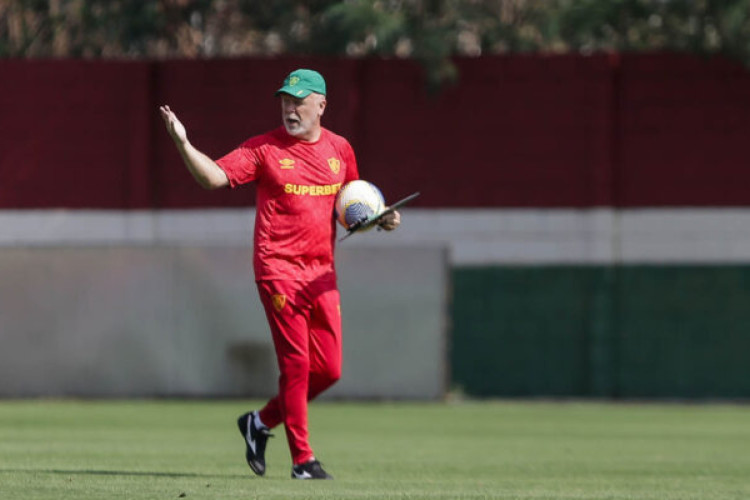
(279, 301)
(335, 165)
(286, 164)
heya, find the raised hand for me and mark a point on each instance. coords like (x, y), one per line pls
(174, 126)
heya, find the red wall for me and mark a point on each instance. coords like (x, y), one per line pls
(684, 132)
(516, 131)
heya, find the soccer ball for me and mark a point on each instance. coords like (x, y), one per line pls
(357, 201)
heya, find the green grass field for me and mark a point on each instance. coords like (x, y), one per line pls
(468, 450)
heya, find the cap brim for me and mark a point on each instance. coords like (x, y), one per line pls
(294, 92)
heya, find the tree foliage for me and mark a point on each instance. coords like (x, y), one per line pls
(431, 31)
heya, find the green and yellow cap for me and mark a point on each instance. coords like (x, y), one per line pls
(302, 82)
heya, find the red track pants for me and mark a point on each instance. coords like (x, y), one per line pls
(305, 321)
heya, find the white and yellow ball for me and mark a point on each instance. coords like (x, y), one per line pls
(356, 201)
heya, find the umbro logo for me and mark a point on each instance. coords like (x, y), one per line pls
(286, 164)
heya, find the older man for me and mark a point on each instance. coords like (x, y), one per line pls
(298, 168)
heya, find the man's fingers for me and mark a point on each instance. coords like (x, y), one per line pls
(170, 119)
(175, 128)
(166, 113)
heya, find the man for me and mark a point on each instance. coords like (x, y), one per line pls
(298, 169)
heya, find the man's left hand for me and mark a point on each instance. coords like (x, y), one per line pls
(390, 221)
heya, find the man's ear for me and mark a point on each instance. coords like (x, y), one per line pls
(322, 105)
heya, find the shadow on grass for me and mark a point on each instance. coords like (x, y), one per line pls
(97, 472)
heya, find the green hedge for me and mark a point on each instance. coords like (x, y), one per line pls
(628, 331)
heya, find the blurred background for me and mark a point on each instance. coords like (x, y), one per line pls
(583, 228)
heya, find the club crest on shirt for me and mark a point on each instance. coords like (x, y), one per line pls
(335, 165)
(279, 301)
(286, 164)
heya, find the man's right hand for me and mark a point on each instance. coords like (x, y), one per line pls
(174, 126)
(205, 171)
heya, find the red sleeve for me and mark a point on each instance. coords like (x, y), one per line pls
(241, 164)
(352, 170)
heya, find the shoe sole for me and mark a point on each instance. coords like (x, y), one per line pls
(329, 478)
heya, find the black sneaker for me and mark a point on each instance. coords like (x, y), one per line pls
(310, 470)
(255, 442)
